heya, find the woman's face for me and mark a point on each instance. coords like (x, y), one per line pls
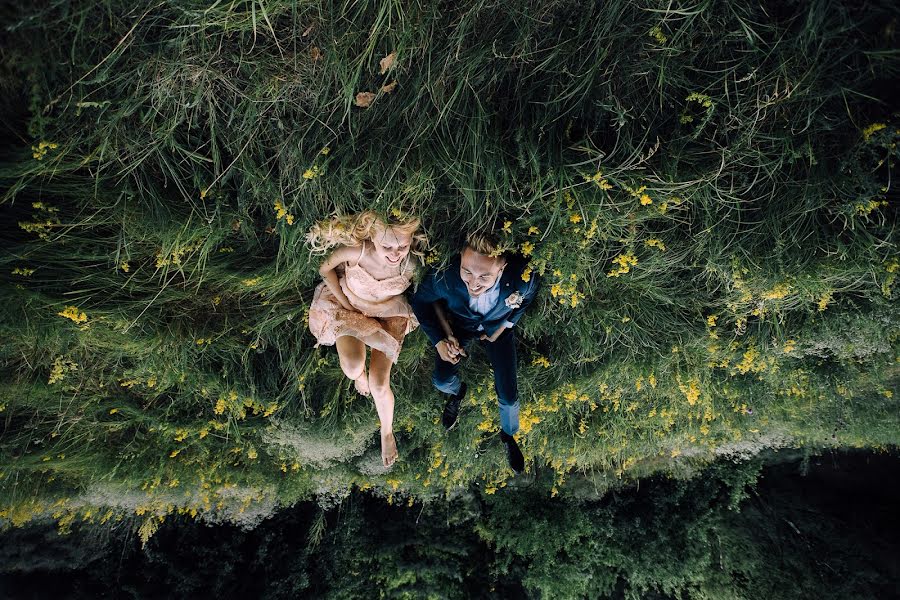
(391, 244)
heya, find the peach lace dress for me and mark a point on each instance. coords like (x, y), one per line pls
(382, 317)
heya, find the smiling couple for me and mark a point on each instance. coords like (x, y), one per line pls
(360, 308)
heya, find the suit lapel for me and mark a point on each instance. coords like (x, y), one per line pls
(506, 288)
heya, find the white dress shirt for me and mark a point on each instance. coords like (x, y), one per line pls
(482, 304)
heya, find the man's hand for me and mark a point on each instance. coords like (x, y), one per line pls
(493, 338)
(450, 350)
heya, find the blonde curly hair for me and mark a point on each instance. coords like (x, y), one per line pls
(353, 230)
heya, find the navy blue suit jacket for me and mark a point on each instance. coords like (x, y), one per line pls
(447, 285)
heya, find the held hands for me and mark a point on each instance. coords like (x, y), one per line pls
(450, 350)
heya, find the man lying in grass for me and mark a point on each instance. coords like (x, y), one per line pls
(483, 292)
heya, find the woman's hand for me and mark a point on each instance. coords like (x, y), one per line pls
(446, 352)
(450, 350)
(327, 271)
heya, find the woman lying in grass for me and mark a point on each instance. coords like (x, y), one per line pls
(361, 304)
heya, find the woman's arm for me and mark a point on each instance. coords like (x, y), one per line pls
(442, 319)
(328, 273)
(454, 348)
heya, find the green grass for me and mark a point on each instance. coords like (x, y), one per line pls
(729, 151)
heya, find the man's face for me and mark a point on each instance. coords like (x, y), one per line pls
(479, 272)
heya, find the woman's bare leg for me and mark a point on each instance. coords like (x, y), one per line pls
(352, 354)
(380, 385)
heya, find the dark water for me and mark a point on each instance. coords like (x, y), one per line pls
(786, 526)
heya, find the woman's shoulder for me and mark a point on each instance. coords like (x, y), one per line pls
(349, 254)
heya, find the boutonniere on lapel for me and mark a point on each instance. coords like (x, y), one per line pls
(514, 300)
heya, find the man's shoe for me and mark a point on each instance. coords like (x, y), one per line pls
(451, 408)
(513, 454)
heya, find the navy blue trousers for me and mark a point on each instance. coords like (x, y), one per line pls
(502, 356)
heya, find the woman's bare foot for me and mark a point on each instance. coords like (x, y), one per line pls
(388, 449)
(361, 384)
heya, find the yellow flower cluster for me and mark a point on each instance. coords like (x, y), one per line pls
(541, 361)
(863, 209)
(598, 179)
(655, 243)
(892, 267)
(625, 262)
(38, 152)
(691, 391)
(23, 271)
(778, 292)
(872, 129)
(282, 213)
(312, 172)
(177, 255)
(237, 406)
(61, 366)
(657, 34)
(250, 282)
(527, 248)
(701, 99)
(526, 273)
(44, 221)
(566, 290)
(824, 300)
(72, 312)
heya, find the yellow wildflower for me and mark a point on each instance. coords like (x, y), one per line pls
(575, 218)
(625, 262)
(527, 249)
(72, 312)
(645, 200)
(533, 230)
(872, 129)
(655, 243)
(540, 361)
(526, 274)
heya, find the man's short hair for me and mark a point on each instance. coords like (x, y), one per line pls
(484, 242)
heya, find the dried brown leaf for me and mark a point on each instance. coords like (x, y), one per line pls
(387, 89)
(387, 62)
(364, 99)
(308, 31)
(315, 54)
